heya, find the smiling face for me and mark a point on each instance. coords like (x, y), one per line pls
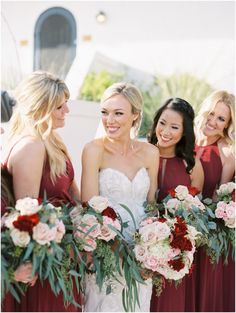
(217, 120)
(117, 116)
(169, 129)
(58, 115)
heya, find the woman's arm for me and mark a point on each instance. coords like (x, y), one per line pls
(74, 190)
(26, 166)
(228, 169)
(197, 175)
(91, 161)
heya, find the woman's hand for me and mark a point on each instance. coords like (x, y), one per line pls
(24, 274)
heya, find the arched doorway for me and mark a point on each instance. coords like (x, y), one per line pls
(55, 41)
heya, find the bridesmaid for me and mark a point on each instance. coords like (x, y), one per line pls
(38, 161)
(172, 131)
(215, 148)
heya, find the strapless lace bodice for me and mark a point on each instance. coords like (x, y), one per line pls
(119, 189)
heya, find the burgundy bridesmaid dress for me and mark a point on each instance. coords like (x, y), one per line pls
(215, 284)
(172, 172)
(40, 297)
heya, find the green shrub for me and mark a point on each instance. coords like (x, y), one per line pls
(95, 84)
(184, 86)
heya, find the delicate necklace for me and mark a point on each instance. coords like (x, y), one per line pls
(131, 147)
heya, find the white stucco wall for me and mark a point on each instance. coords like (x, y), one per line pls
(161, 37)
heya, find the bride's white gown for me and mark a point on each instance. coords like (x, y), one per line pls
(119, 189)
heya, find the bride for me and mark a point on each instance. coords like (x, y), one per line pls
(123, 170)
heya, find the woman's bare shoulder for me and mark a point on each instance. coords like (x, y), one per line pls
(95, 146)
(226, 150)
(149, 149)
(29, 146)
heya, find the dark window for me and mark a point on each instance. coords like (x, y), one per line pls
(55, 41)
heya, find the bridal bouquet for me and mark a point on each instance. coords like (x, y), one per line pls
(98, 234)
(225, 208)
(185, 201)
(165, 246)
(36, 232)
(224, 216)
(96, 229)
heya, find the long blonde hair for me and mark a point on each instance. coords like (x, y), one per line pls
(130, 93)
(209, 104)
(37, 97)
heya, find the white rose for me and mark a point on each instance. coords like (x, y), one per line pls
(43, 234)
(148, 234)
(75, 213)
(89, 219)
(20, 238)
(181, 192)
(9, 219)
(27, 206)
(172, 205)
(230, 222)
(231, 187)
(106, 233)
(223, 190)
(226, 189)
(140, 252)
(60, 231)
(162, 231)
(99, 203)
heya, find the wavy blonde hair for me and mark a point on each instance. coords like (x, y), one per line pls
(218, 96)
(130, 93)
(37, 97)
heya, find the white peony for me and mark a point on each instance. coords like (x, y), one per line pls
(99, 203)
(20, 238)
(27, 206)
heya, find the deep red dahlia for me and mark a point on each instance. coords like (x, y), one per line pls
(162, 219)
(180, 227)
(26, 222)
(110, 213)
(177, 265)
(182, 243)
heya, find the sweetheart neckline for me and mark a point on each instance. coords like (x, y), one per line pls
(123, 174)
